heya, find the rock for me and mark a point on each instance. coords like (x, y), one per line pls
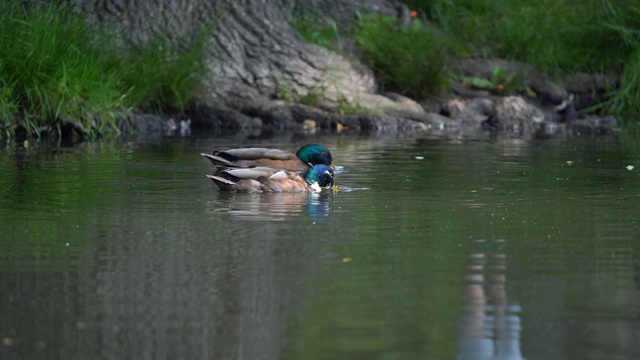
(221, 117)
(548, 130)
(404, 104)
(549, 92)
(466, 92)
(322, 119)
(390, 124)
(439, 122)
(594, 125)
(482, 106)
(392, 104)
(464, 112)
(516, 115)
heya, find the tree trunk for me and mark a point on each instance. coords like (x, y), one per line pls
(253, 56)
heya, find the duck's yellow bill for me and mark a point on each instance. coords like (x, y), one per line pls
(335, 188)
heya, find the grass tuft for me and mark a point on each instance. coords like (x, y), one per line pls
(557, 36)
(48, 68)
(320, 31)
(52, 67)
(159, 77)
(410, 59)
(626, 100)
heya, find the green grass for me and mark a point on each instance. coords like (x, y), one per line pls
(558, 37)
(159, 77)
(321, 31)
(626, 100)
(48, 68)
(7, 108)
(53, 67)
(410, 59)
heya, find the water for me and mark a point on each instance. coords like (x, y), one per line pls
(432, 250)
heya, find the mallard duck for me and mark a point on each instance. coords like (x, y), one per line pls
(307, 156)
(266, 179)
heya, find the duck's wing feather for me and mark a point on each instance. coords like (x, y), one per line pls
(227, 183)
(259, 179)
(218, 161)
(252, 157)
(255, 153)
(251, 173)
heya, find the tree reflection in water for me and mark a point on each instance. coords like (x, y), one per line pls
(490, 327)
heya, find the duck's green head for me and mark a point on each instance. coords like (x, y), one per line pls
(314, 154)
(319, 176)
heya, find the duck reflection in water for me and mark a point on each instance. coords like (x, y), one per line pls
(274, 206)
(490, 327)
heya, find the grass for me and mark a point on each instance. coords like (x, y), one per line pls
(159, 77)
(555, 36)
(410, 59)
(626, 100)
(48, 69)
(558, 37)
(321, 31)
(52, 67)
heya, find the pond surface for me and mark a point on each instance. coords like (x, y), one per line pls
(433, 250)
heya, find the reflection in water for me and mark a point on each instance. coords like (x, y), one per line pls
(490, 328)
(273, 206)
(130, 253)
